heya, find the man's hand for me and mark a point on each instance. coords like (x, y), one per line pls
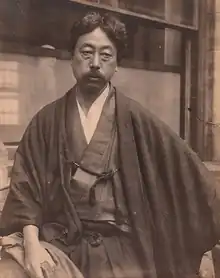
(38, 261)
(206, 267)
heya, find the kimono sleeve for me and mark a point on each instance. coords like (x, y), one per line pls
(183, 192)
(196, 191)
(24, 203)
(210, 188)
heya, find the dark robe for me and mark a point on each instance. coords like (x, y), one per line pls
(173, 203)
(99, 156)
(106, 247)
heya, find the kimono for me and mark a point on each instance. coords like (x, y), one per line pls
(166, 208)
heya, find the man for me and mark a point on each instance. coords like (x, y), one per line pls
(101, 186)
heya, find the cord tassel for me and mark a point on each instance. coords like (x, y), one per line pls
(102, 177)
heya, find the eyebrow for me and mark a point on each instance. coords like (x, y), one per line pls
(92, 46)
(86, 45)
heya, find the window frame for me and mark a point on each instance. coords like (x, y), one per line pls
(154, 19)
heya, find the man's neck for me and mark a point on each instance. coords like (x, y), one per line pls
(86, 99)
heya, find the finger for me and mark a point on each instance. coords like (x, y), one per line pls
(35, 271)
(46, 266)
(50, 259)
(47, 270)
(50, 262)
(38, 274)
(203, 274)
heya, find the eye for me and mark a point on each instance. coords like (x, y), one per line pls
(106, 56)
(86, 53)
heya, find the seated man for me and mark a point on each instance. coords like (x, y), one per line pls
(100, 187)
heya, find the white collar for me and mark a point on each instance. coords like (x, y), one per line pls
(90, 121)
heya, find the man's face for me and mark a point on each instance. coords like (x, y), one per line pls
(94, 60)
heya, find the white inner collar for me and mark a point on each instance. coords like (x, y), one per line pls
(90, 121)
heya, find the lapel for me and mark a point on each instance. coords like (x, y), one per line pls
(128, 159)
(65, 157)
(96, 155)
(75, 137)
(91, 156)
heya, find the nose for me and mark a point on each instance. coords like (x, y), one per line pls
(95, 61)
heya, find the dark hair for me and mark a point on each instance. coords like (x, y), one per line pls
(111, 25)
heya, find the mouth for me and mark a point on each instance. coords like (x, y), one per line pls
(93, 78)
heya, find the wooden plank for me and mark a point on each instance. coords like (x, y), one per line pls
(202, 82)
(154, 19)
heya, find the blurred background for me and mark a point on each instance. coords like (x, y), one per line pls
(171, 67)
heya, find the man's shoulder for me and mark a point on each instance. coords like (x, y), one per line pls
(47, 118)
(143, 118)
(51, 107)
(49, 111)
(142, 113)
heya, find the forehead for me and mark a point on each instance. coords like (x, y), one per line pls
(96, 38)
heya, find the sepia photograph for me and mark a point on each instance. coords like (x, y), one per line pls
(109, 139)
